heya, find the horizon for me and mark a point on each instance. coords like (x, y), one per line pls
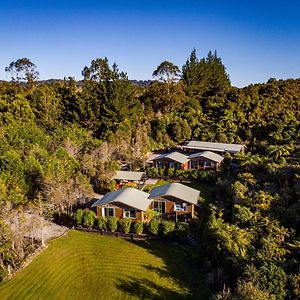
(255, 41)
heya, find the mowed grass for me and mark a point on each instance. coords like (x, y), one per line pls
(90, 266)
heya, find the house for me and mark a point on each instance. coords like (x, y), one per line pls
(124, 177)
(174, 200)
(170, 200)
(124, 203)
(221, 148)
(173, 160)
(205, 160)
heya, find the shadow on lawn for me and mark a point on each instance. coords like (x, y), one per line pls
(181, 265)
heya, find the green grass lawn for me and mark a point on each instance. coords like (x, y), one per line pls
(89, 266)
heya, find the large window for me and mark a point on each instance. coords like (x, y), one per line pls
(109, 212)
(159, 206)
(129, 213)
(181, 206)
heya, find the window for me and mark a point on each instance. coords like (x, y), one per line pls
(194, 164)
(129, 213)
(180, 206)
(159, 206)
(109, 212)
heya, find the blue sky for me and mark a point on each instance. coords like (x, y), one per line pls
(255, 39)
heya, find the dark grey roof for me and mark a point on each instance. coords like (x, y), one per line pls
(129, 196)
(176, 156)
(209, 155)
(212, 146)
(176, 190)
(129, 175)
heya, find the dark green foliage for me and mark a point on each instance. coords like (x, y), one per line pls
(112, 223)
(138, 227)
(273, 279)
(124, 225)
(78, 217)
(241, 215)
(153, 226)
(61, 140)
(182, 230)
(167, 228)
(102, 223)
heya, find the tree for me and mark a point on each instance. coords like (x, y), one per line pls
(138, 227)
(78, 217)
(124, 225)
(112, 223)
(23, 70)
(89, 218)
(167, 72)
(100, 71)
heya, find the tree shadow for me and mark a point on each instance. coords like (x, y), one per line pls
(182, 266)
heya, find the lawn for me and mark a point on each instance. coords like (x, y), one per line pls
(89, 266)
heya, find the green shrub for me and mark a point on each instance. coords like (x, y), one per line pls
(167, 227)
(138, 227)
(241, 215)
(89, 218)
(182, 229)
(153, 226)
(102, 223)
(112, 223)
(124, 225)
(78, 216)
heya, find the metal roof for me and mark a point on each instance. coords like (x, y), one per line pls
(209, 155)
(212, 146)
(129, 196)
(176, 156)
(176, 190)
(129, 175)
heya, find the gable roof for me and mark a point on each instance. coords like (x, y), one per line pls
(176, 156)
(209, 155)
(129, 175)
(129, 196)
(212, 146)
(176, 190)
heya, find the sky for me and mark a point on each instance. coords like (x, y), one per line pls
(256, 40)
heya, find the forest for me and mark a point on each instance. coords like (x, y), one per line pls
(61, 141)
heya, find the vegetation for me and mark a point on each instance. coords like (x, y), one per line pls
(112, 223)
(91, 266)
(124, 225)
(138, 227)
(62, 141)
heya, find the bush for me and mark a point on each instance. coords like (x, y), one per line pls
(241, 215)
(182, 229)
(153, 226)
(112, 223)
(138, 227)
(124, 225)
(89, 218)
(78, 216)
(167, 227)
(102, 223)
(247, 291)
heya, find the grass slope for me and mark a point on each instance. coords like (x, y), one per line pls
(89, 266)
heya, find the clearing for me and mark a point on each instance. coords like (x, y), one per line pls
(90, 266)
